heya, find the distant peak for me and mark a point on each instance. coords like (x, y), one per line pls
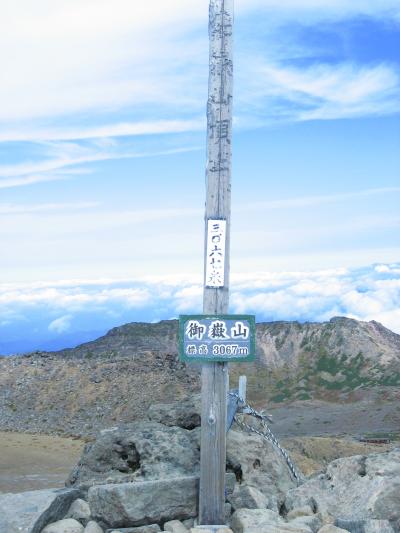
(343, 319)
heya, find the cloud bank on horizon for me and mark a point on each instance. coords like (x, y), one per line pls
(62, 314)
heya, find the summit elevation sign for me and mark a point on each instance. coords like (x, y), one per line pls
(217, 338)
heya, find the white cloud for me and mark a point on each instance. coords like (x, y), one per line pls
(82, 56)
(106, 131)
(361, 293)
(66, 223)
(9, 183)
(188, 298)
(66, 163)
(371, 293)
(309, 201)
(82, 239)
(7, 209)
(65, 220)
(61, 155)
(322, 9)
(95, 56)
(324, 91)
(57, 159)
(387, 269)
(61, 324)
(75, 298)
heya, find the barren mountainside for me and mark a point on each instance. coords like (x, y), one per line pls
(281, 343)
(116, 377)
(278, 343)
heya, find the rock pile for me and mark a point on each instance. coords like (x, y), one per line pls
(79, 396)
(357, 488)
(143, 478)
(141, 451)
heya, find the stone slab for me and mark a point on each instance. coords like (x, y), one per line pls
(30, 512)
(211, 529)
(153, 528)
(143, 503)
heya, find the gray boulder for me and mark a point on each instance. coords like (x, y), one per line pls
(263, 521)
(354, 488)
(304, 516)
(175, 526)
(299, 512)
(245, 497)
(365, 526)
(67, 525)
(154, 528)
(137, 452)
(330, 528)
(93, 527)
(313, 522)
(211, 529)
(30, 512)
(79, 510)
(185, 414)
(146, 502)
(378, 526)
(257, 463)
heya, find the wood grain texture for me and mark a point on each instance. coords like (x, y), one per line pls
(219, 137)
(213, 443)
(216, 300)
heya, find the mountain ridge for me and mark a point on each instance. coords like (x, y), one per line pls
(278, 342)
(116, 377)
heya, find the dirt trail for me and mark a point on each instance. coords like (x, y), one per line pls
(32, 462)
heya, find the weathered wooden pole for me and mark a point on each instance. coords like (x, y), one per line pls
(216, 273)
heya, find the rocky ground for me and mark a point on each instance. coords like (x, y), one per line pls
(377, 413)
(142, 477)
(78, 397)
(32, 462)
(325, 385)
(115, 378)
(313, 454)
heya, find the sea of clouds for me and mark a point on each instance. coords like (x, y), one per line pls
(54, 315)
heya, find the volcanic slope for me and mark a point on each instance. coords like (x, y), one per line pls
(116, 377)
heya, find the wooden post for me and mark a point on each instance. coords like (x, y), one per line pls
(216, 300)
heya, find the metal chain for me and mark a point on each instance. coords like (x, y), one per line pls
(267, 434)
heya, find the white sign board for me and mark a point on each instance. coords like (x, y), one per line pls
(215, 260)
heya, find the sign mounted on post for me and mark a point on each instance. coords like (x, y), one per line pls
(217, 338)
(215, 253)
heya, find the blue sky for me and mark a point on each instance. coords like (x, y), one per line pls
(102, 157)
